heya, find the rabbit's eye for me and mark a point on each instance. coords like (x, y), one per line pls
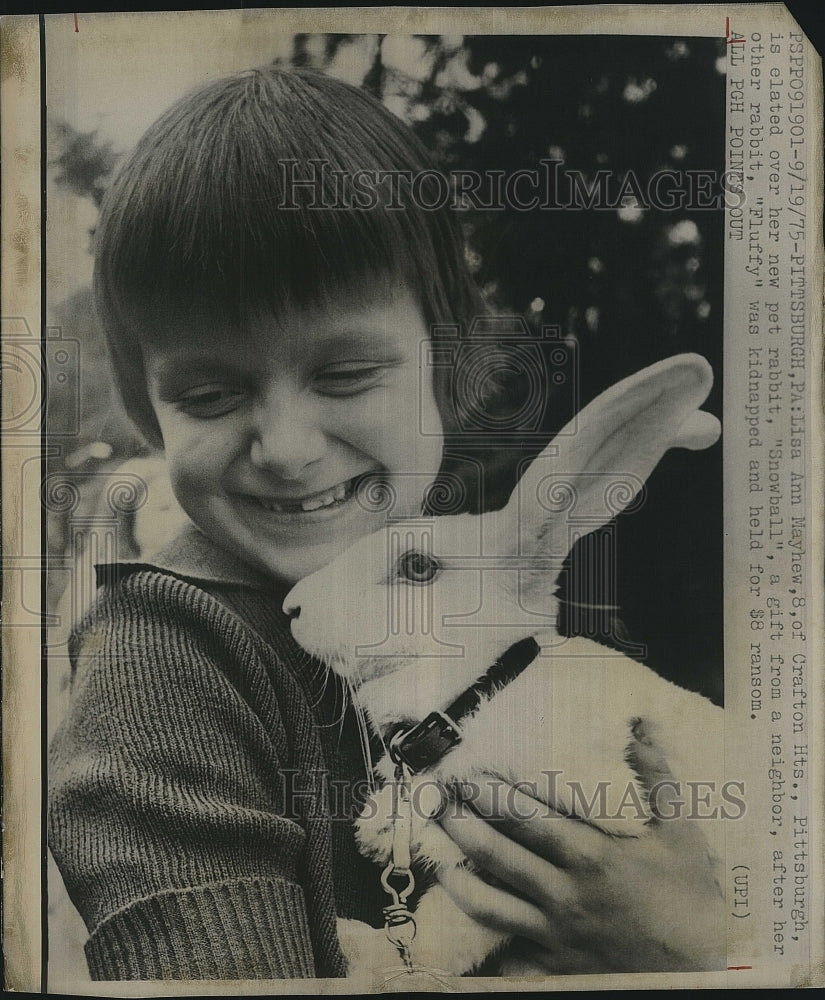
(418, 567)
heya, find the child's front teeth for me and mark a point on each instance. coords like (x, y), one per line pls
(335, 495)
(315, 503)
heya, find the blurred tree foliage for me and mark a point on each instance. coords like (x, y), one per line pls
(83, 163)
(626, 286)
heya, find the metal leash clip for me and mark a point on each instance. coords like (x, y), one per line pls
(399, 923)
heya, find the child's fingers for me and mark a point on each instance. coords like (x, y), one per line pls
(492, 907)
(502, 857)
(537, 826)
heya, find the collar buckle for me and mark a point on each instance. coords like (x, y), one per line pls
(426, 743)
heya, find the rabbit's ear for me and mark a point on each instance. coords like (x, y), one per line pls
(597, 465)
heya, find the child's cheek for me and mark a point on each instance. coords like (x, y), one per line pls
(413, 428)
(196, 457)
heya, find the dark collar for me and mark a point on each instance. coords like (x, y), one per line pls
(427, 742)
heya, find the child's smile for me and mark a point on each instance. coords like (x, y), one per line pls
(324, 500)
(283, 438)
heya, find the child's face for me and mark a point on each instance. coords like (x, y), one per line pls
(265, 428)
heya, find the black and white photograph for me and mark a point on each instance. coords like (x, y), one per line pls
(424, 514)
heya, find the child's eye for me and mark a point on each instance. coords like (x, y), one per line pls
(210, 400)
(348, 379)
(418, 567)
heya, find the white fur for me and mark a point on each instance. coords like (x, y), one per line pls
(408, 649)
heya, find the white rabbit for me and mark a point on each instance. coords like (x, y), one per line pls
(413, 615)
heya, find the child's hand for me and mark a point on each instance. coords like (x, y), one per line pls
(588, 901)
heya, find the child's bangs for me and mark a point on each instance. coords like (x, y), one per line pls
(244, 197)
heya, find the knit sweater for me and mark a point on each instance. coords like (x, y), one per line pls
(203, 782)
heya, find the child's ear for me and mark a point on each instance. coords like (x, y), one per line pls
(597, 465)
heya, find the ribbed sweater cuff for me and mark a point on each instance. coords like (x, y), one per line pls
(245, 929)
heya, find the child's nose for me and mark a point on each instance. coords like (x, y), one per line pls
(288, 436)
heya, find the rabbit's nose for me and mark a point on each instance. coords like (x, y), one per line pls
(291, 609)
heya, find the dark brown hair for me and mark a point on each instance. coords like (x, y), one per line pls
(203, 215)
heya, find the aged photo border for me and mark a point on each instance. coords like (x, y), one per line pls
(24, 293)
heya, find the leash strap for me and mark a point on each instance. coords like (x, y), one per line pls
(399, 923)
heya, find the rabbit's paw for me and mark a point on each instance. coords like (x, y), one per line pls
(447, 940)
(374, 827)
(606, 791)
(365, 948)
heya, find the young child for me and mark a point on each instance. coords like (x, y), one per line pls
(266, 332)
